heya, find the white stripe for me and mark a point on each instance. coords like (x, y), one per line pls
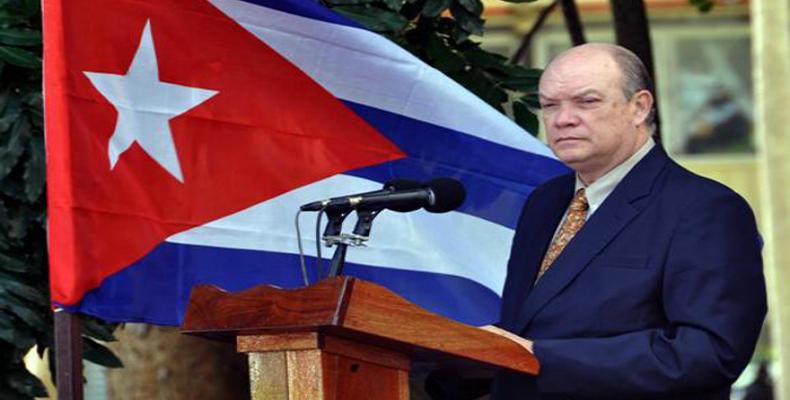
(453, 243)
(363, 67)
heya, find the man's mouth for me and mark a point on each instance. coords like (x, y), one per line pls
(567, 139)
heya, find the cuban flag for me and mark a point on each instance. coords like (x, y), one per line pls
(182, 136)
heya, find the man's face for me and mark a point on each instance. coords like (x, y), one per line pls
(590, 124)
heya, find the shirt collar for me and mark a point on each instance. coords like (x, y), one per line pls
(599, 190)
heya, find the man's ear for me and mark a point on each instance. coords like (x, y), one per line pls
(643, 103)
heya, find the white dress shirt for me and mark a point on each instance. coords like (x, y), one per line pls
(599, 190)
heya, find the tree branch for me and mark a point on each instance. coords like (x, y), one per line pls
(526, 41)
(632, 31)
(573, 22)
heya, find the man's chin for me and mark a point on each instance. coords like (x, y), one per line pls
(571, 158)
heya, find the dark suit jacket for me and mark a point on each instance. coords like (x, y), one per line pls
(660, 294)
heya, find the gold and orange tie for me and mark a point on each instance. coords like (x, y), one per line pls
(577, 214)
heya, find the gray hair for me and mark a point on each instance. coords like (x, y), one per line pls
(635, 78)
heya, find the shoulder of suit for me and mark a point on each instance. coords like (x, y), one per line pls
(557, 183)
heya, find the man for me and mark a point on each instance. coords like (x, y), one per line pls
(631, 278)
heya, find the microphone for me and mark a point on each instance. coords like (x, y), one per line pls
(347, 203)
(437, 196)
(448, 194)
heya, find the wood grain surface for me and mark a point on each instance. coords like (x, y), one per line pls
(353, 309)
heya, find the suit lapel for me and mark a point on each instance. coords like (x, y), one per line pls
(610, 218)
(547, 210)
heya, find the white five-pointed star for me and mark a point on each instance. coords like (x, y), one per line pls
(145, 106)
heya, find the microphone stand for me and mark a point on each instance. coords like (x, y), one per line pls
(332, 235)
(360, 235)
(338, 260)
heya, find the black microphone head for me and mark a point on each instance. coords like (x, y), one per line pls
(403, 184)
(448, 194)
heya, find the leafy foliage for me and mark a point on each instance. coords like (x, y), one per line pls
(25, 315)
(438, 32)
(703, 5)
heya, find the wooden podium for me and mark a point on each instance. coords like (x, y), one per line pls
(341, 339)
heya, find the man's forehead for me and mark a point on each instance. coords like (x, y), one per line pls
(586, 52)
(574, 82)
(577, 72)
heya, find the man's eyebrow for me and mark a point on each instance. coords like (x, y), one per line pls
(583, 93)
(587, 92)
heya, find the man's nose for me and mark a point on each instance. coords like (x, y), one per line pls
(565, 116)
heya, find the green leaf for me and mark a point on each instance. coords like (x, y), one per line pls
(14, 334)
(469, 22)
(19, 57)
(41, 348)
(525, 73)
(26, 383)
(394, 5)
(32, 97)
(12, 188)
(53, 373)
(8, 119)
(20, 37)
(99, 354)
(516, 77)
(433, 8)
(98, 329)
(37, 117)
(5, 243)
(4, 95)
(450, 27)
(473, 6)
(483, 59)
(3, 218)
(479, 84)
(521, 84)
(28, 315)
(702, 5)
(443, 57)
(11, 284)
(375, 19)
(20, 222)
(9, 154)
(6, 393)
(23, 9)
(531, 100)
(334, 3)
(12, 264)
(7, 20)
(32, 8)
(35, 171)
(525, 119)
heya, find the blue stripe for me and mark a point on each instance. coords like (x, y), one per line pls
(498, 178)
(306, 8)
(156, 289)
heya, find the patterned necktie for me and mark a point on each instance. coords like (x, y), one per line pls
(577, 214)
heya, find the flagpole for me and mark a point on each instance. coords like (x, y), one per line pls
(68, 355)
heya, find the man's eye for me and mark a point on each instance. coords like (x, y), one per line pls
(547, 105)
(590, 100)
